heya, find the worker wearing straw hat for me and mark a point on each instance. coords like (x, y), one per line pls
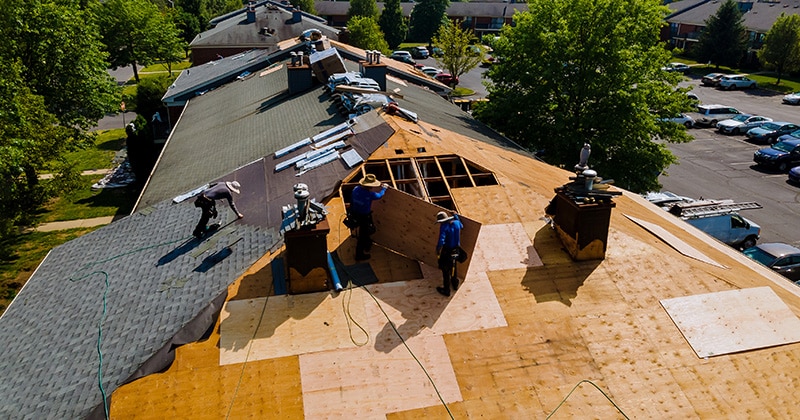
(205, 201)
(368, 190)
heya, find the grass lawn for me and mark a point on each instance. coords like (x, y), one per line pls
(85, 203)
(176, 67)
(100, 156)
(26, 251)
(461, 91)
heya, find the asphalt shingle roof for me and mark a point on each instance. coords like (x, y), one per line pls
(158, 282)
(234, 30)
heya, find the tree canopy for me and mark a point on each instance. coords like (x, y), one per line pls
(781, 49)
(136, 32)
(723, 42)
(426, 17)
(456, 57)
(588, 71)
(366, 34)
(393, 24)
(363, 8)
(53, 88)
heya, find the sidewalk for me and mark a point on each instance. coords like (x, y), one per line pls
(71, 224)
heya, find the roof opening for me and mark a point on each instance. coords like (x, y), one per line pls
(431, 178)
(398, 151)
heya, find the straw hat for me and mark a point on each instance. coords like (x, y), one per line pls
(233, 186)
(369, 180)
(442, 217)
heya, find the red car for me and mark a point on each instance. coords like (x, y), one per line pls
(447, 79)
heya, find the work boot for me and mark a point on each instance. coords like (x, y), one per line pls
(442, 291)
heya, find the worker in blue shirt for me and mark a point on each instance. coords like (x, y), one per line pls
(448, 249)
(368, 190)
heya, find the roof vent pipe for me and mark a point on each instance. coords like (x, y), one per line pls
(369, 56)
(377, 55)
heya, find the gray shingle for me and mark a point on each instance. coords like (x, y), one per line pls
(53, 324)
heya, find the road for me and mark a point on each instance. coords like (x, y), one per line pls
(719, 166)
(471, 80)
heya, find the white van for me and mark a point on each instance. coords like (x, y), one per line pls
(730, 228)
(720, 219)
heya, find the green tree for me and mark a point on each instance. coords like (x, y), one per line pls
(426, 17)
(366, 34)
(221, 7)
(457, 57)
(588, 71)
(62, 59)
(781, 49)
(31, 142)
(306, 6)
(393, 24)
(723, 40)
(364, 8)
(134, 32)
(53, 88)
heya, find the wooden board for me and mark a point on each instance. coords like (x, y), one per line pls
(365, 383)
(674, 242)
(503, 247)
(407, 224)
(733, 321)
(288, 325)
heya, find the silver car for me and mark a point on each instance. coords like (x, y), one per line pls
(741, 123)
(792, 98)
(736, 81)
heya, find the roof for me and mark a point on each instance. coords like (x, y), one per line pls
(454, 9)
(247, 119)
(529, 332)
(759, 18)
(233, 30)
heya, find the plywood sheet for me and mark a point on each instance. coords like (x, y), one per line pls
(674, 242)
(417, 309)
(366, 383)
(278, 326)
(733, 321)
(503, 247)
(407, 224)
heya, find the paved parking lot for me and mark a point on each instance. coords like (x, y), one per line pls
(720, 166)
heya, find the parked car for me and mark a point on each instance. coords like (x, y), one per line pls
(682, 119)
(446, 78)
(781, 155)
(692, 96)
(711, 79)
(683, 68)
(784, 259)
(437, 52)
(419, 52)
(794, 175)
(792, 98)
(736, 81)
(403, 56)
(741, 123)
(794, 135)
(431, 71)
(769, 132)
(710, 115)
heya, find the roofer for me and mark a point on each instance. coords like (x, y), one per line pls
(206, 201)
(449, 250)
(368, 190)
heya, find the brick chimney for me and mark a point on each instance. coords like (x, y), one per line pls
(372, 68)
(300, 77)
(251, 12)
